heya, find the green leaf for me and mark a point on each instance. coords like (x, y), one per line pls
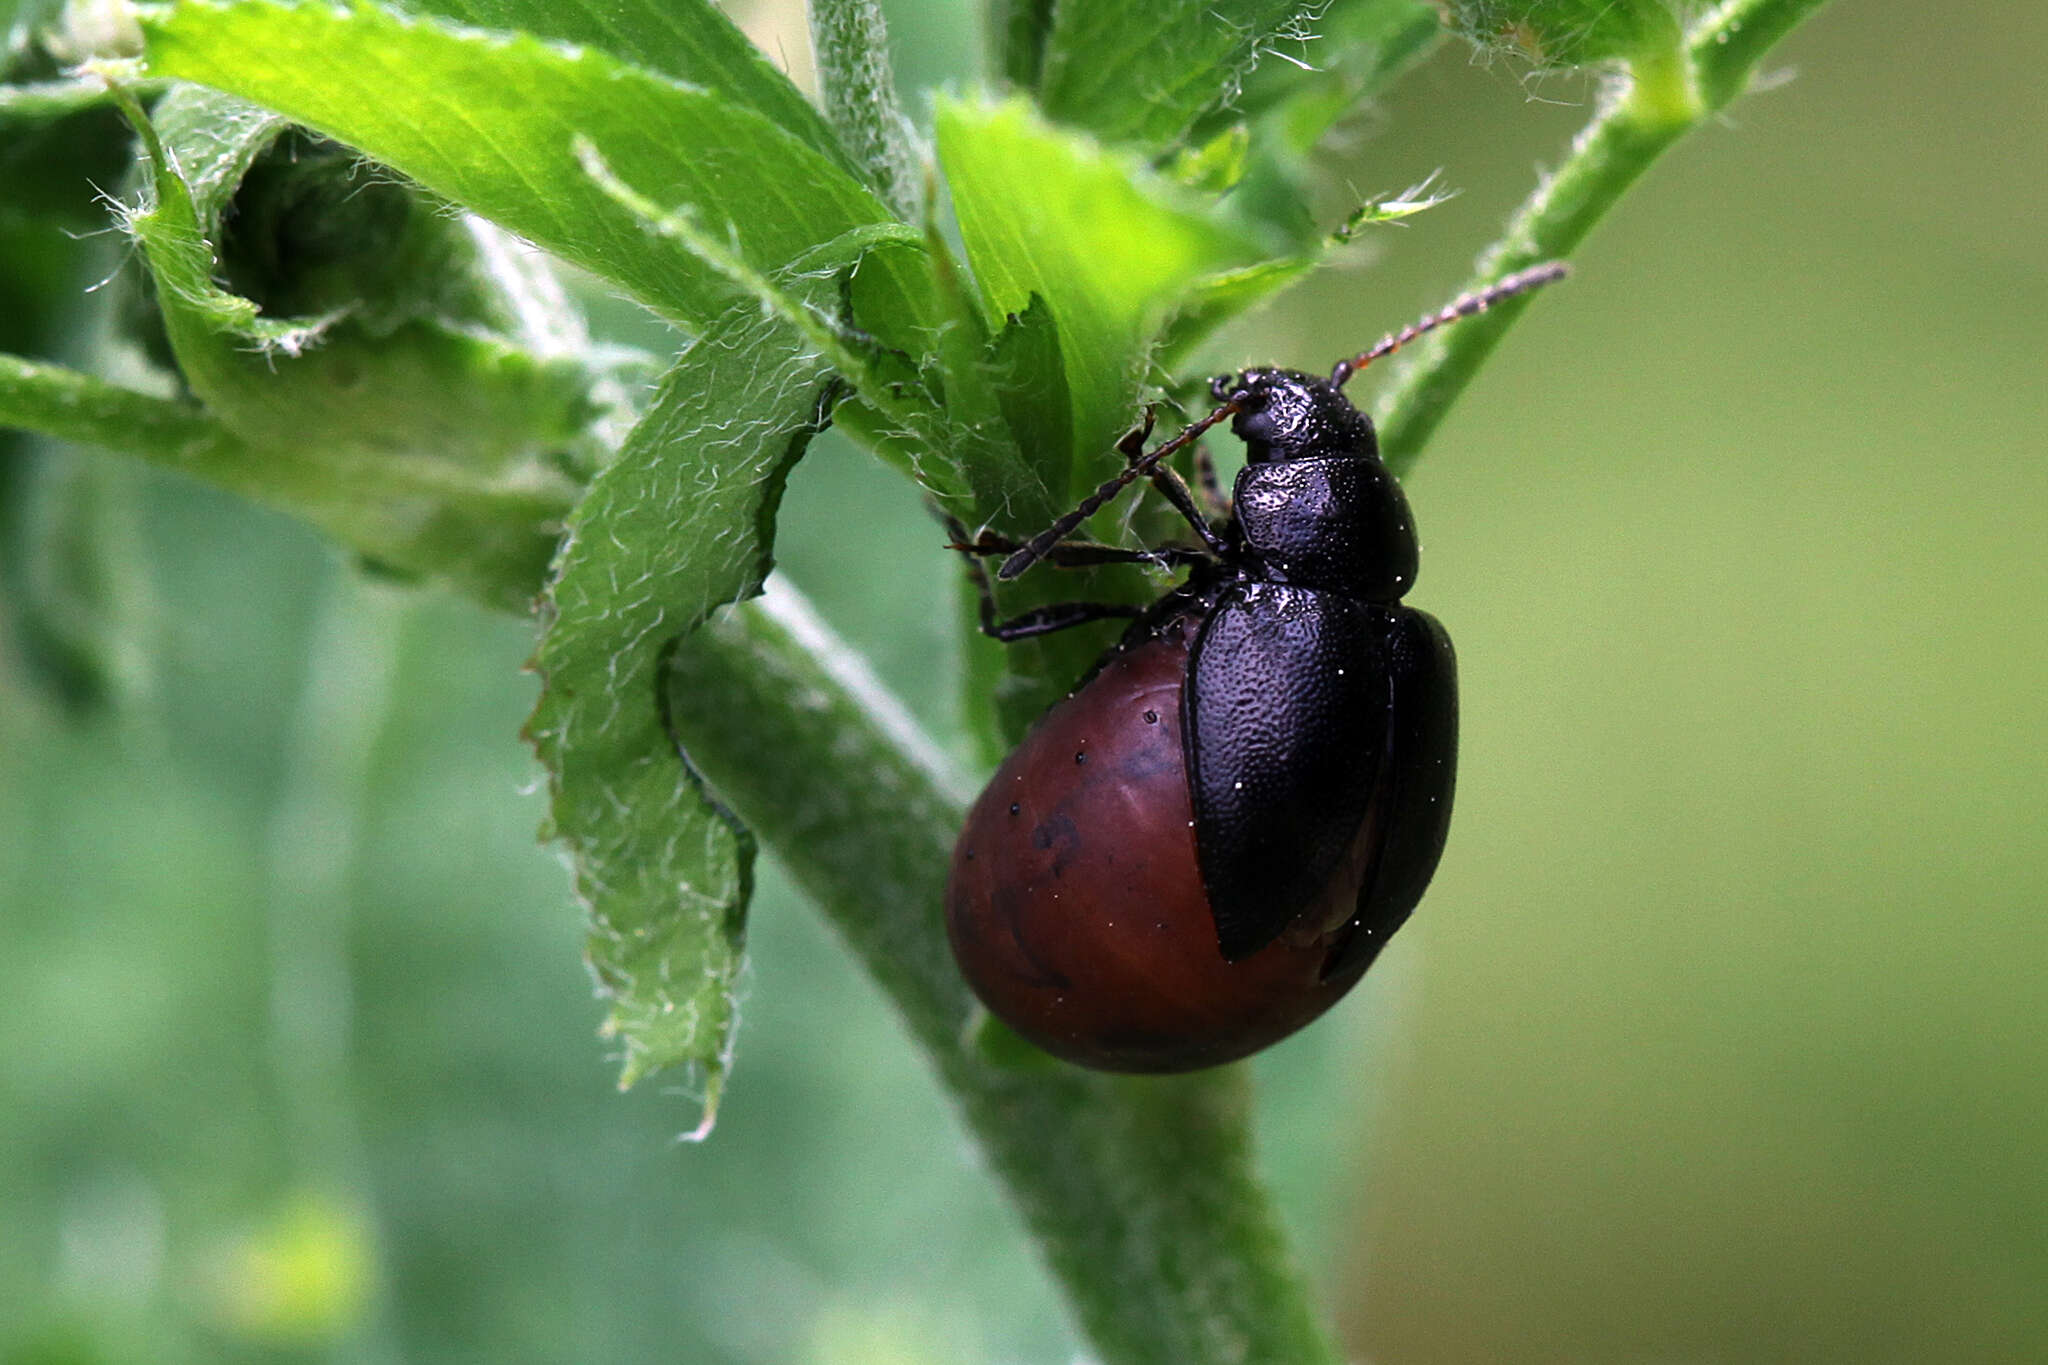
(1029, 381)
(858, 359)
(1017, 32)
(679, 524)
(898, 413)
(1228, 294)
(1090, 254)
(1214, 166)
(690, 41)
(492, 122)
(1006, 687)
(221, 138)
(1143, 73)
(978, 438)
(492, 544)
(402, 411)
(1557, 33)
(1350, 51)
(363, 298)
(1108, 248)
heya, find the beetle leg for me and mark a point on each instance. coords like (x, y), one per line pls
(1040, 620)
(1046, 620)
(1132, 443)
(1175, 490)
(1072, 554)
(1083, 554)
(1169, 483)
(1140, 467)
(1217, 502)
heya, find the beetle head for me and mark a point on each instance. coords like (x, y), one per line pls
(1288, 415)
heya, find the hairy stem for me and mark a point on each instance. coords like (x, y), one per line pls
(858, 90)
(72, 406)
(1659, 100)
(1729, 43)
(1139, 1190)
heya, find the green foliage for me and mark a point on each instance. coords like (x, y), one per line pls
(1149, 75)
(346, 342)
(413, 94)
(689, 41)
(421, 428)
(353, 312)
(858, 90)
(685, 514)
(1080, 260)
(1347, 52)
(1142, 73)
(1110, 252)
(1560, 33)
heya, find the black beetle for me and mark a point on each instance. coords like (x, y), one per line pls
(1209, 840)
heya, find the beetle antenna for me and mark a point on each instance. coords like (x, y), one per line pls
(1035, 548)
(1464, 306)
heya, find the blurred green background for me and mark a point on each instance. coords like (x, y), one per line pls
(1720, 1037)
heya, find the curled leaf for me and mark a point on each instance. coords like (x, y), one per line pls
(368, 347)
(679, 524)
(1563, 33)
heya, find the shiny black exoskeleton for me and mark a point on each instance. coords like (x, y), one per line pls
(1320, 715)
(1204, 845)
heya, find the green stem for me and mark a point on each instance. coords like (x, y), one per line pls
(414, 515)
(855, 84)
(1139, 1190)
(311, 850)
(1663, 97)
(58, 99)
(1729, 42)
(72, 406)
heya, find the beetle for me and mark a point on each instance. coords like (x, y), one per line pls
(1209, 840)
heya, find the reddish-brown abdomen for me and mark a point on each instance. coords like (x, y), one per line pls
(1076, 907)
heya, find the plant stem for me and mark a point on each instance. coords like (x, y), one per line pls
(412, 514)
(858, 90)
(1139, 1190)
(71, 406)
(311, 850)
(1730, 40)
(1662, 97)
